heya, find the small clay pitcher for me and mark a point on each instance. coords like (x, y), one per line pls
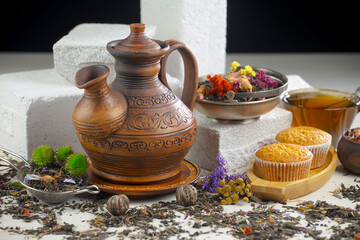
(137, 131)
(101, 111)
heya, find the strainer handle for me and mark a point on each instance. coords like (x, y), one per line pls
(14, 154)
(92, 189)
(12, 164)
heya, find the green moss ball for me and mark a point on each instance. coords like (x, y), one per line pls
(62, 153)
(43, 155)
(76, 164)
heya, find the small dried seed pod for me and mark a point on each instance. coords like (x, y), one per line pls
(118, 204)
(186, 195)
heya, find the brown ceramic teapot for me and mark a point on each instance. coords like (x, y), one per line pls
(136, 130)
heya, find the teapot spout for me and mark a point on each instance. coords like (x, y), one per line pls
(101, 111)
(93, 80)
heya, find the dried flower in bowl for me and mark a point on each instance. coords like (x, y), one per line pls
(353, 135)
(220, 86)
(240, 79)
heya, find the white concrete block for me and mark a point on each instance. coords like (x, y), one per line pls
(296, 82)
(36, 108)
(200, 24)
(86, 45)
(236, 142)
(175, 85)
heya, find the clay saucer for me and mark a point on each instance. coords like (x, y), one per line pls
(190, 172)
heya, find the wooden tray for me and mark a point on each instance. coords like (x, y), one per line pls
(282, 191)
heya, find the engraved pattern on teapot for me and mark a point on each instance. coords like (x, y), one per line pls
(145, 121)
(141, 145)
(150, 101)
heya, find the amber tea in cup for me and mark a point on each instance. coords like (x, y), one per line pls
(327, 109)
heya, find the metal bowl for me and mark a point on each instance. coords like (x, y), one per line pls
(242, 112)
(54, 197)
(232, 111)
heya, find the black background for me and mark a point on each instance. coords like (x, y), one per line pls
(253, 26)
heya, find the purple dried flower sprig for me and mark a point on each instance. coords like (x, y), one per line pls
(235, 176)
(263, 81)
(231, 187)
(211, 181)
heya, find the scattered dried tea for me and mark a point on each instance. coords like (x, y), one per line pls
(164, 220)
(352, 192)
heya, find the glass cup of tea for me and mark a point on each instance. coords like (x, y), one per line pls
(328, 109)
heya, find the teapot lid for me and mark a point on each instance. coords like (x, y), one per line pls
(137, 41)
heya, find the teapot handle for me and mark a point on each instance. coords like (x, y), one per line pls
(191, 72)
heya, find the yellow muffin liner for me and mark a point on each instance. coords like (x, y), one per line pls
(320, 152)
(283, 172)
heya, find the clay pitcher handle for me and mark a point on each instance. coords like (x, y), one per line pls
(191, 72)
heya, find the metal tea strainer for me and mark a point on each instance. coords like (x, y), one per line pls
(47, 197)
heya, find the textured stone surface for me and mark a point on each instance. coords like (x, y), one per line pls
(86, 45)
(237, 143)
(36, 108)
(200, 24)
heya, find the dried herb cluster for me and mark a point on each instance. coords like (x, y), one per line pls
(351, 192)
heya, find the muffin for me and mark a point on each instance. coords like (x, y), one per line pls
(283, 162)
(314, 139)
